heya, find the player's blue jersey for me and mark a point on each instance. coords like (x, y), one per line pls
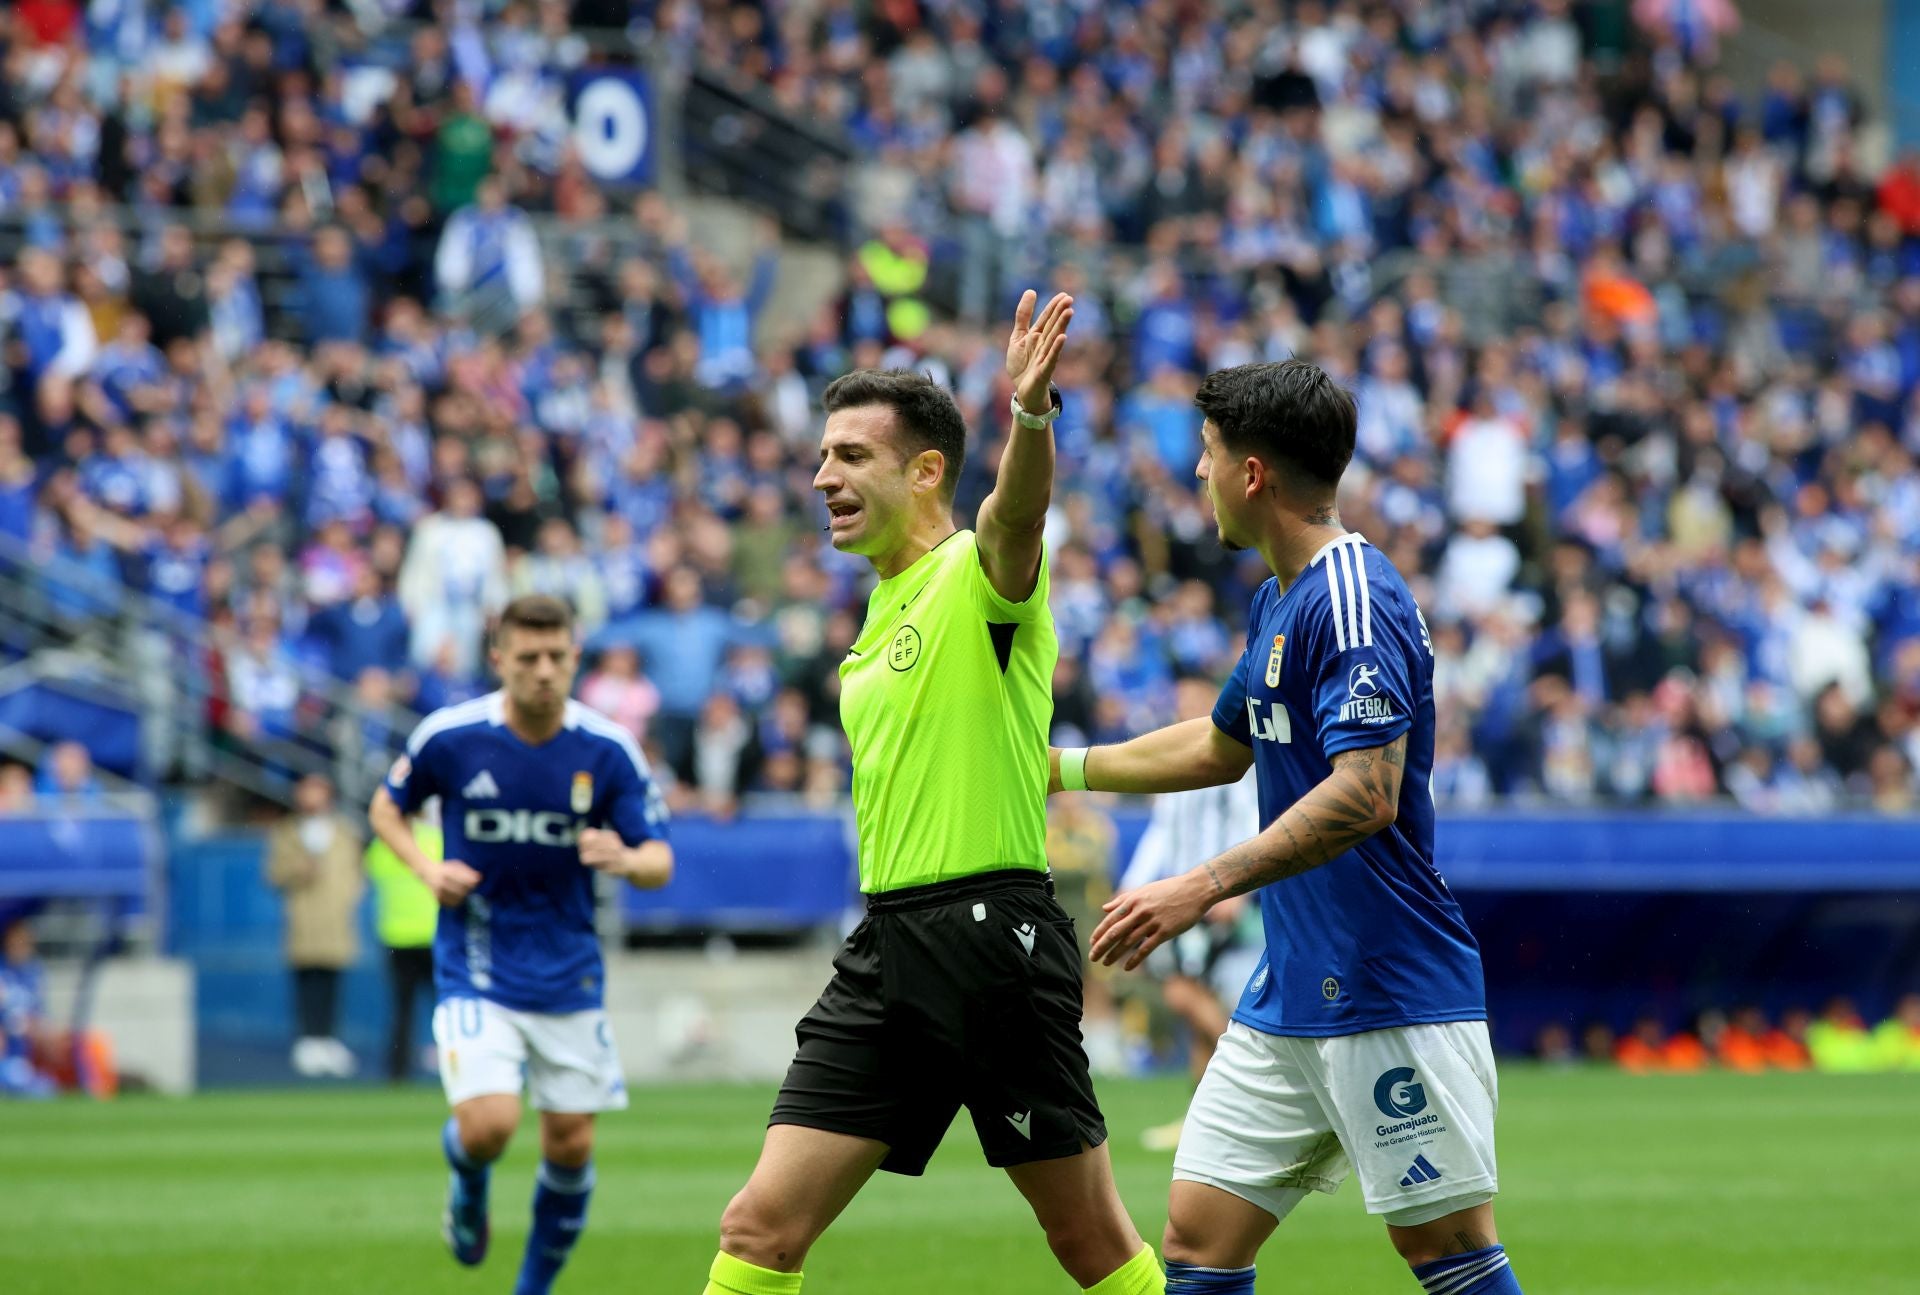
(525, 937)
(1372, 939)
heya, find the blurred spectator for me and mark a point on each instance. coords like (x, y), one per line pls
(454, 579)
(463, 145)
(405, 916)
(1554, 1045)
(488, 266)
(722, 312)
(365, 733)
(1839, 1042)
(335, 298)
(683, 641)
(365, 630)
(560, 567)
(1898, 1037)
(56, 335)
(1742, 1044)
(38, 1059)
(67, 774)
(1080, 844)
(722, 741)
(1786, 1043)
(313, 860)
(616, 688)
(262, 685)
(1650, 1048)
(173, 294)
(16, 788)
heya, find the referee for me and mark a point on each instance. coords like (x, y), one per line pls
(962, 986)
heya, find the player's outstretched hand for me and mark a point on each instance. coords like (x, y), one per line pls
(1034, 349)
(1140, 921)
(601, 849)
(453, 882)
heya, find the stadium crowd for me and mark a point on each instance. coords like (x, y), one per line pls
(1636, 359)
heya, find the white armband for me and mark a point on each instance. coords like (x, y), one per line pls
(1073, 768)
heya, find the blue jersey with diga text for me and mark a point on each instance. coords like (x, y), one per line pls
(1339, 661)
(513, 812)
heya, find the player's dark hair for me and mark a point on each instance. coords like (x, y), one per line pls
(534, 612)
(923, 409)
(1290, 414)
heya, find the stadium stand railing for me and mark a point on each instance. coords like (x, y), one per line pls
(276, 271)
(739, 143)
(103, 634)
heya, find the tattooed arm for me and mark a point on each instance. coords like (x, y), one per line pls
(1359, 798)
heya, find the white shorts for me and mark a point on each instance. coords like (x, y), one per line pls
(1412, 1108)
(566, 1063)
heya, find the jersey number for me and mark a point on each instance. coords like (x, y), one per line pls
(1274, 725)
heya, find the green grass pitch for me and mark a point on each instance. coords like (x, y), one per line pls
(1613, 1186)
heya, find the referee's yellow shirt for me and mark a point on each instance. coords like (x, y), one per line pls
(947, 697)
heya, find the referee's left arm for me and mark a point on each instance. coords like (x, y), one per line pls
(1009, 529)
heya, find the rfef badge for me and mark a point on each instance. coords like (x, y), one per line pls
(1273, 660)
(582, 792)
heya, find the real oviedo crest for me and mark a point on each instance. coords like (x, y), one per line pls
(1273, 660)
(582, 792)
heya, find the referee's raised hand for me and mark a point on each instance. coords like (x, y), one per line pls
(1033, 351)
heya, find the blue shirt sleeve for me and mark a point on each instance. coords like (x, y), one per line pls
(1363, 688)
(1230, 711)
(411, 781)
(636, 810)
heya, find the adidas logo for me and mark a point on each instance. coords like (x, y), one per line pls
(481, 787)
(1421, 1171)
(1023, 1124)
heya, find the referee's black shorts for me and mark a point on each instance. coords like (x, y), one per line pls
(961, 993)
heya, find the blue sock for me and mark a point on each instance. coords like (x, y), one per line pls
(473, 1173)
(560, 1198)
(1190, 1279)
(1478, 1272)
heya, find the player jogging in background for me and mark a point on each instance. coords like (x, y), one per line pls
(538, 794)
(962, 986)
(1184, 826)
(1361, 1041)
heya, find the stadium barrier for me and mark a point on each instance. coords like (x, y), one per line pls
(1585, 917)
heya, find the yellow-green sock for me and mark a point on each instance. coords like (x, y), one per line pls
(730, 1276)
(1139, 1275)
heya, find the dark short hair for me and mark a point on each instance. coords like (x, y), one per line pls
(534, 612)
(924, 410)
(1290, 413)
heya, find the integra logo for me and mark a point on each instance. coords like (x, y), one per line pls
(1364, 702)
(522, 827)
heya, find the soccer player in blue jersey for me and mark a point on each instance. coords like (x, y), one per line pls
(1360, 1043)
(538, 794)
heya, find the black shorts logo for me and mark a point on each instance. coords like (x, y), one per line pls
(905, 649)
